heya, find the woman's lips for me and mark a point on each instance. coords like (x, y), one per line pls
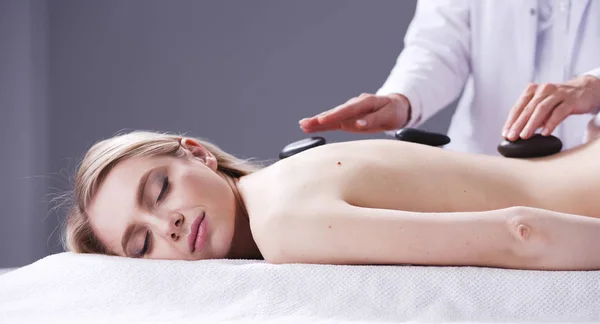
(197, 235)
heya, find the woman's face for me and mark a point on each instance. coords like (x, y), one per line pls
(166, 208)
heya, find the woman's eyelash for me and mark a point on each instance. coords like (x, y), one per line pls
(146, 245)
(163, 189)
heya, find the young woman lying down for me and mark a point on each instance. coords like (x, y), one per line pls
(159, 196)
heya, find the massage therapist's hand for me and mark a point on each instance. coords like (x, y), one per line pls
(547, 105)
(367, 113)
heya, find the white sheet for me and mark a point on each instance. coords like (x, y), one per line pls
(99, 289)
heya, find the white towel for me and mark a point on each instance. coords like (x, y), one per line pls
(70, 288)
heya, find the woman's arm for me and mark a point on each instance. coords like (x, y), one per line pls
(517, 237)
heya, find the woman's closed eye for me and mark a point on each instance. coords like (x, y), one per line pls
(163, 190)
(144, 250)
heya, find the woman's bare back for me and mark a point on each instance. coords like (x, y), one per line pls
(404, 176)
(389, 202)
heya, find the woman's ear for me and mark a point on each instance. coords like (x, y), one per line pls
(199, 151)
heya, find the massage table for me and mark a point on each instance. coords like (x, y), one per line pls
(75, 288)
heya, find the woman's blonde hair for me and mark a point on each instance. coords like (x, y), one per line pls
(104, 155)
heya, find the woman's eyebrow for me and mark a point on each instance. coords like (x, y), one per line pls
(141, 187)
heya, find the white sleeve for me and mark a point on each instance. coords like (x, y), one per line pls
(596, 73)
(434, 65)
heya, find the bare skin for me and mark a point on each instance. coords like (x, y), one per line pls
(389, 202)
(411, 177)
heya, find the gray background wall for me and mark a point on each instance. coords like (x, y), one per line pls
(239, 73)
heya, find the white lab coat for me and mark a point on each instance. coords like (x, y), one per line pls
(487, 48)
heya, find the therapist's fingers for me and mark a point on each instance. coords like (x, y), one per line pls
(377, 121)
(345, 115)
(541, 93)
(316, 128)
(380, 120)
(313, 124)
(348, 102)
(347, 125)
(352, 109)
(540, 115)
(518, 107)
(559, 114)
(521, 121)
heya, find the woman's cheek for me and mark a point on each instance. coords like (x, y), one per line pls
(164, 251)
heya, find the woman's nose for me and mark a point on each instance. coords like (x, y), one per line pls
(175, 226)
